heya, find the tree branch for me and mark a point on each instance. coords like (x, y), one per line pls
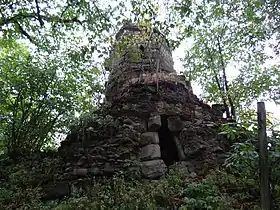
(24, 32)
(19, 16)
(38, 14)
(66, 8)
(15, 18)
(99, 12)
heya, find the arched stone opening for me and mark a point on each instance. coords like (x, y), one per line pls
(169, 153)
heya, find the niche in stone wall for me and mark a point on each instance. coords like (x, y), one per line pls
(169, 153)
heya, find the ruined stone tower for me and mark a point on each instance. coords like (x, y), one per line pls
(155, 119)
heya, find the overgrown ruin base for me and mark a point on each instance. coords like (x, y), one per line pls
(151, 119)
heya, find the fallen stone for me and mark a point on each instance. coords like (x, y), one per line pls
(175, 124)
(154, 123)
(153, 169)
(149, 138)
(150, 152)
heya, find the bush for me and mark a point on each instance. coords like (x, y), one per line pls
(202, 196)
(39, 97)
(172, 192)
(21, 181)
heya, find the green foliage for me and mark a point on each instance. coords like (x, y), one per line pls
(47, 82)
(228, 55)
(169, 192)
(234, 189)
(243, 163)
(21, 189)
(238, 193)
(236, 132)
(202, 196)
(94, 122)
(56, 76)
(21, 181)
(38, 98)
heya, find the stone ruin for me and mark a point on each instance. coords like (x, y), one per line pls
(151, 119)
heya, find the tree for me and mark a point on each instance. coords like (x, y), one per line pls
(69, 40)
(51, 59)
(53, 76)
(230, 36)
(37, 97)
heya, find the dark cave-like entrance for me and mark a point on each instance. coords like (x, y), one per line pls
(169, 153)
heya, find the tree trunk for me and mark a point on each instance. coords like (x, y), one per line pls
(226, 81)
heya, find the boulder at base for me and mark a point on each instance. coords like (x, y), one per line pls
(153, 169)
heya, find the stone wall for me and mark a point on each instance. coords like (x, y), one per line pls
(155, 120)
(134, 144)
(102, 149)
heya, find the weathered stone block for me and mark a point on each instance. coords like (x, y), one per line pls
(154, 123)
(81, 172)
(149, 138)
(153, 169)
(175, 124)
(94, 171)
(150, 152)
